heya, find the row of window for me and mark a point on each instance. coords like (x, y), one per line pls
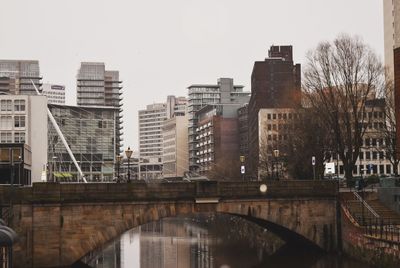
(7, 137)
(7, 105)
(6, 121)
(283, 116)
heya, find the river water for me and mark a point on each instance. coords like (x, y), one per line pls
(208, 241)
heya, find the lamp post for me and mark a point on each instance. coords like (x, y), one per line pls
(119, 158)
(128, 153)
(276, 154)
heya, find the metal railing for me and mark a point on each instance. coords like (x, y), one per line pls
(383, 229)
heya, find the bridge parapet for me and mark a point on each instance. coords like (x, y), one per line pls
(141, 191)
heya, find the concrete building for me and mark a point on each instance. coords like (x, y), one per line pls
(273, 132)
(176, 106)
(90, 133)
(275, 83)
(201, 95)
(16, 76)
(23, 120)
(150, 135)
(391, 27)
(175, 146)
(97, 86)
(55, 93)
(217, 136)
(373, 150)
(243, 126)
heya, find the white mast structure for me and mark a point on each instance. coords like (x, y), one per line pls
(55, 125)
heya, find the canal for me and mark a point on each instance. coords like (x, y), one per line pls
(208, 241)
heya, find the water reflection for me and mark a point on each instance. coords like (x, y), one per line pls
(207, 242)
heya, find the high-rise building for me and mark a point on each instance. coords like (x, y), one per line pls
(175, 146)
(391, 27)
(23, 120)
(275, 83)
(16, 76)
(201, 95)
(97, 86)
(90, 133)
(217, 136)
(150, 134)
(176, 106)
(55, 93)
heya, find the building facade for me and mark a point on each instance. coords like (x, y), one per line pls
(391, 29)
(175, 146)
(201, 95)
(55, 93)
(243, 121)
(23, 120)
(273, 132)
(97, 86)
(275, 83)
(217, 136)
(16, 76)
(90, 133)
(150, 134)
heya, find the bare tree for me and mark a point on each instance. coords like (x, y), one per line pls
(309, 138)
(339, 78)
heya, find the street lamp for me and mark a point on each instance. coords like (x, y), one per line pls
(128, 153)
(119, 158)
(276, 154)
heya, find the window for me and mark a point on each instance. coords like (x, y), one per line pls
(273, 116)
(388, 169)
(361, 155)
(19, 137)
(381, 155)
(269, 127)
(269, 116)
(19, 105)
(368, 155)
(373, 142)
(6, 105)
(5, 122)
(5, 137)
(19, 121)
(374, 155)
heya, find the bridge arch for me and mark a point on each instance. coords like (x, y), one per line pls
(59, 224)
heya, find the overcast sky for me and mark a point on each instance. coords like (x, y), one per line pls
(161, 47)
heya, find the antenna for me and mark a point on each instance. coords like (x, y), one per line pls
(55, 125)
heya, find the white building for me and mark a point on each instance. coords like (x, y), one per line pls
(55, 93)
(150, 134)
(23, 119)
(175, 146)
(391, 25)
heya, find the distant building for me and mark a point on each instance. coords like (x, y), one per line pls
(97, 86)
(372, 152)
(175, 146)
(90, 133)
(243, 126)
(275, 83)
(201, 95)
(55, 93)
(176, 106)
(150, 135)
(23, 120)
(391, 26)
(217, 137)
(16, 76)
(273, 132)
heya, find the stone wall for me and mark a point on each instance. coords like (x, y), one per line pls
(60, 223)
(378, 252)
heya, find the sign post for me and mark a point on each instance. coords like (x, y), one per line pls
(313, 165)
(242, 168)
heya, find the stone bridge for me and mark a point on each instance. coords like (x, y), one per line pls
(58, 224)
